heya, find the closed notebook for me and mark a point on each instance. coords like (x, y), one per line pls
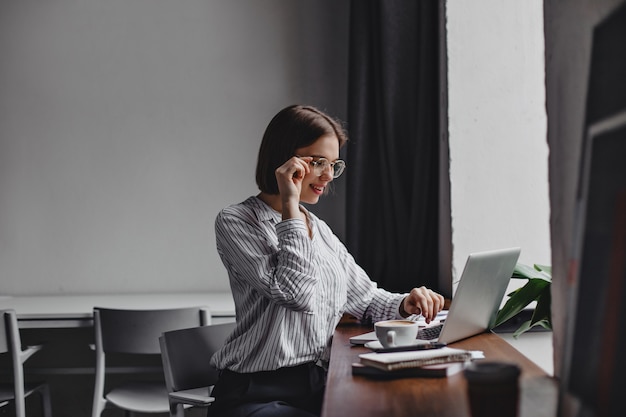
(413, 359)
(428, 371)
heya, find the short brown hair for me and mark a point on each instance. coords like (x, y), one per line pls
(293, 127)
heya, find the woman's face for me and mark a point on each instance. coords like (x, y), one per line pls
(314, 185)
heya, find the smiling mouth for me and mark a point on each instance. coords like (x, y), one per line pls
(317, 188)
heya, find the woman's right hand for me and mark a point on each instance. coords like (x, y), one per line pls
(289, 177)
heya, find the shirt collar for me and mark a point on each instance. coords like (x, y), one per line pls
(264, 212)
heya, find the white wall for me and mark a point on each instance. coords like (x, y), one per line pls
(125, 125)
(497, 128)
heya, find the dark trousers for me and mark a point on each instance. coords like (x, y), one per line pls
(286, 392)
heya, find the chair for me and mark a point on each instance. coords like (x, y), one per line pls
(186, 358)
(16, 392)
(135, 333)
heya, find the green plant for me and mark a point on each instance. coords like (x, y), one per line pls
(536, 289)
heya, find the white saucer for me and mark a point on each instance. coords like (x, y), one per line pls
(376, 345)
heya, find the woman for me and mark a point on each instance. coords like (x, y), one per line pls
(292, 279)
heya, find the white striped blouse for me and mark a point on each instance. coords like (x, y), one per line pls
(290, 291)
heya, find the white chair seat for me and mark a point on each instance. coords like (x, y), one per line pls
(142, 397)
(189, 375)
(198, 397)
(135, 333)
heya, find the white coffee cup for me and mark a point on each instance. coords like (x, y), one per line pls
(392, 333)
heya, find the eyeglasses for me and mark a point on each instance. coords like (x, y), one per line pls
(320, 165)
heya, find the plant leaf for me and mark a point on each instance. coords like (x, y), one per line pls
(521, 298)
(536, 289)
(513, 292)
(521, 329)
(546, 268)
(542, 311)
(522, 271)
(527, 326)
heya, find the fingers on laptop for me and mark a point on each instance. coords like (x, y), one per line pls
(425, 302)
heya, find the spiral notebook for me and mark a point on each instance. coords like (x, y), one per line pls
(414, 359)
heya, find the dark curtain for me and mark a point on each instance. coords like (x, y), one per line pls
(392, 219)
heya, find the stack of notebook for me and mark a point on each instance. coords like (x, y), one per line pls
(419, 363)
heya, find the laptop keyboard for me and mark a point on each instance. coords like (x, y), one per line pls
(428, 333)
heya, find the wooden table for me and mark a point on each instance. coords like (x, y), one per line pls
(348, 395)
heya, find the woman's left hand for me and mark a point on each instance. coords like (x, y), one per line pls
(423, 301)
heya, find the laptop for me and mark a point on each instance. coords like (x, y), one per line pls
(477, 299)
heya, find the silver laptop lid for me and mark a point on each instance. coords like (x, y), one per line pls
(481, 288)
